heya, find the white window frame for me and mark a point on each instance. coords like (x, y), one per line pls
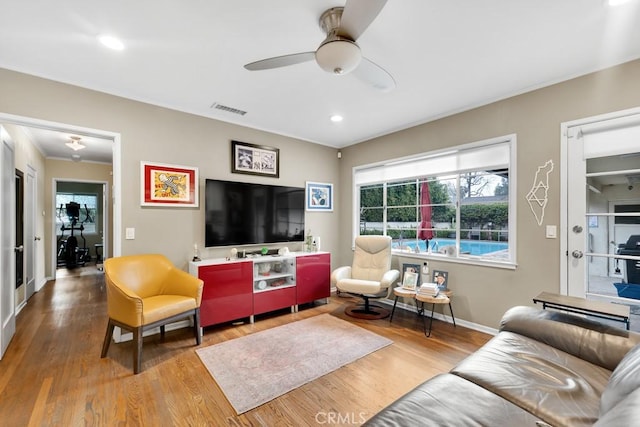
(458, 159)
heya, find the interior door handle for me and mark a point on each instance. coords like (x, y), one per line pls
(19, 248)
(577, 254)
(37, 238)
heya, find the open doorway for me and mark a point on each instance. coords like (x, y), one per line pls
(81, 224)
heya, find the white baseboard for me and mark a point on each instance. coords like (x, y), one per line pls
(444, 318)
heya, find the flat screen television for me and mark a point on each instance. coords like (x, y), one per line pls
(240, 213)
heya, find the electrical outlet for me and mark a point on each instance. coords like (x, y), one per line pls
(425, 268)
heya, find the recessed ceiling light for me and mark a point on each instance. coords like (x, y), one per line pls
(336, 118)
(111, 42)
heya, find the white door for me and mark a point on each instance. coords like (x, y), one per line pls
(7, 241)
(602, 174)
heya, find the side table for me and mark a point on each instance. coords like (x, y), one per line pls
(401, 292)
(442, 298)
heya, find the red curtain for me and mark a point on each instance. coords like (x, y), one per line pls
(425, 232)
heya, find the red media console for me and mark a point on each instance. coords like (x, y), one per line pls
(242, 288)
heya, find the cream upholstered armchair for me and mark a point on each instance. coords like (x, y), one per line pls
(370, 276)
(145, 292)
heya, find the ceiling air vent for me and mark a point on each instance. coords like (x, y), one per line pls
(228, 109)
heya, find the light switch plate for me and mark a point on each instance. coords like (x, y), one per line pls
(130, 233)
(551, 232)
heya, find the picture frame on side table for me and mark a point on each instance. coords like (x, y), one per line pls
(254, 159)
(441, 278)
(168, 185)
(410, 276)
(319, 196)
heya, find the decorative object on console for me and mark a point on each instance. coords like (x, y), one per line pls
(264, 268)
(319, 197)
(168, 185)
(441, 278)
(283, 251)
(196, 254)
(255, 159)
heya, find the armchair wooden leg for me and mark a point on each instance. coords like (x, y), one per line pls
(107, 338)
(196, 326)
(137, 350)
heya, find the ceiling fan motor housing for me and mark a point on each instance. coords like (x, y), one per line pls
(338, 55)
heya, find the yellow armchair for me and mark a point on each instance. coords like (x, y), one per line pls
(145, 292)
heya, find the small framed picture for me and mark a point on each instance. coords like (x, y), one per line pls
(255, 159)
(168, 185)
(319, 196)
(441, 278)
(410, 276)
(410, 280)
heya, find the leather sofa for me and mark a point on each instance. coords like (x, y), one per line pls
(543, 368)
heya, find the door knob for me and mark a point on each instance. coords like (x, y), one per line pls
(577, 254)
(577, 229)
(37, 238)
(19, 248)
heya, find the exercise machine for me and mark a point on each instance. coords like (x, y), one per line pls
(70, 254)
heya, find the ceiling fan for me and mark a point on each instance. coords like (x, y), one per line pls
(339, 53)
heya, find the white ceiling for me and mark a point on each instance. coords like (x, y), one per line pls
(445, 56)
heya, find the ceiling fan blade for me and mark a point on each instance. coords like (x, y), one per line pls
(374, 75)
(280, 61)
(358, 15)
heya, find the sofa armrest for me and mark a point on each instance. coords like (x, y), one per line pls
(587, 339)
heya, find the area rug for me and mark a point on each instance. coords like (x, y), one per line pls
(257, 368)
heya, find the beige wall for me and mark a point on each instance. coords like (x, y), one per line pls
(158, 134)
(483, 294)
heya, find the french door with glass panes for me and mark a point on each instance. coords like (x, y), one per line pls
(602, 195)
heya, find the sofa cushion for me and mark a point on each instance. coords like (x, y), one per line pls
(555, 386)
(624, 380)
(625, 413)
(448, 400)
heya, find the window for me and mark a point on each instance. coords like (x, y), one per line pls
(456, 203)
(88, 210)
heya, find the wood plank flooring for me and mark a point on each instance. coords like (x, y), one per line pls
(52, 374)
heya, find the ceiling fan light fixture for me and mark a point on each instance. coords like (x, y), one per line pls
(75, 143)
(338, 56)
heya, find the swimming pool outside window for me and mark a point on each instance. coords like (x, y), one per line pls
(455, 204)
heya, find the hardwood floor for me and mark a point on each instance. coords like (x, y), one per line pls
(52, 373)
